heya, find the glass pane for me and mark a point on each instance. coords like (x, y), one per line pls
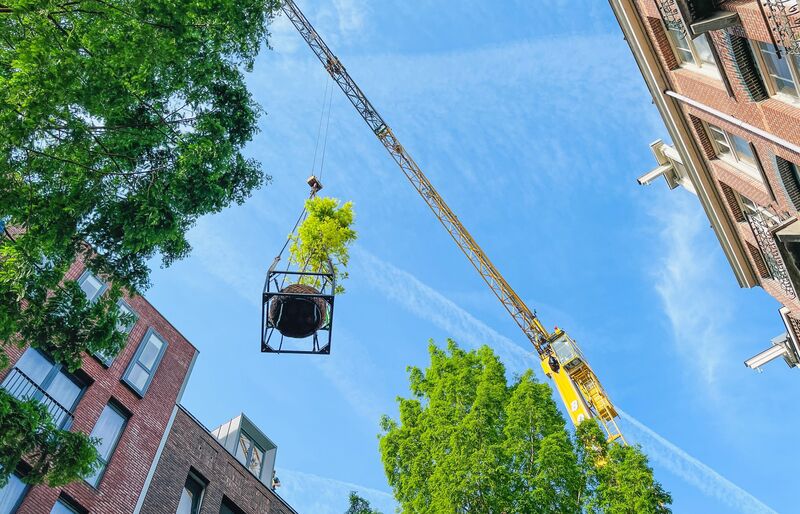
(35, 365)
(91, 286)
(703, 48)
(255, 461)
(61, 508)
(94, 478)
(185, 505)
(778, 69)
(124, 309)
(10, 494)
(743, 151)
(150, 351)
(138, 376)
(243, 448)
(108, 428)
(64, 390)
(681, 45)
(719, 138)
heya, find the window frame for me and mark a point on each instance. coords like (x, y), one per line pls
(126, 416)
(23, 493)
(249, 456)
(56, 368)
(108, 361)
(135, 361)
(203, 483)
(769, 79)
(85, 276)
(697, 65)
(70, 504)
(732, 157)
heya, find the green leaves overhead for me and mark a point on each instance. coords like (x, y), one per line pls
(468, 441)
(121, 123)
(324, 236)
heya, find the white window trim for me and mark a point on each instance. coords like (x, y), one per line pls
(698, 66)
(733, 158)
(772, 88)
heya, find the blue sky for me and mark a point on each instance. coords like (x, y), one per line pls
(533, 122)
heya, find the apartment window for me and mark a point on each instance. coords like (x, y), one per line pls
(735, 150)
(695, 52)
(37, 377)
(228, 507)
(108, 430)
(92, 286)
(143, 366)
(11, 494)
(191, 496)
(124, 309)
(66, 506)
(250, 454)
(752, 209)
(783, 71)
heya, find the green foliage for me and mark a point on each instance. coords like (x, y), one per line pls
(468, 441)
(57, 457)
(359, 505)
(121, 123)
(324, 237)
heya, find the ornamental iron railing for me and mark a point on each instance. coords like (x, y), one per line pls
(760, 226)
(784, 20)
(22, 387)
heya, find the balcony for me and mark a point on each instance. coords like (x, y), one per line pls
(776, 252)
(784, 20)
(21, 386)
(698, 16)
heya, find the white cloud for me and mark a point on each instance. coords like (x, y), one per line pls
(697, 311)
(692, 470)
(309, 493)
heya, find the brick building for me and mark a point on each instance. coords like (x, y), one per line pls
(725, 77)
(227, 471)
(127, 401)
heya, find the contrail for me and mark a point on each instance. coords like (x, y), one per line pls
(427, 303)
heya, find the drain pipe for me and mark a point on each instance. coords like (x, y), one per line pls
(735, 121)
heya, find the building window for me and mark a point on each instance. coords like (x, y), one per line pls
(734, 149)
(108, 430)
(791, 179)
(752, 209)
(783, 72)
(11, 494)
(35, 376)
(191, 496)
(143, 366)
(694, 52)
(66, 506)
(92, 286)
(250, 454)
(124, 309)
(228, 507)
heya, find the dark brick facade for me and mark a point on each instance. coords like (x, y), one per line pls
(190, 447)
(121, 485)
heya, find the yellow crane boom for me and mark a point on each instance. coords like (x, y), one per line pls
(561, 359)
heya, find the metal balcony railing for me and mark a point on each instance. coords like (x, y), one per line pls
(784, 20)
(21, 386)
(760, 226)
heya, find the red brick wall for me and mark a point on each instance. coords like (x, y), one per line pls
(190, 446)
(772, 115)
(120, 486)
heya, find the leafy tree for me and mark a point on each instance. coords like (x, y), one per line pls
(324, 237)
(468, 441)
(121, 123)
(359, 505)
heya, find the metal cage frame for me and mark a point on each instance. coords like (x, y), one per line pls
(272, 288)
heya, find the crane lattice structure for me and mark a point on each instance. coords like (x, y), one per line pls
(560, 357)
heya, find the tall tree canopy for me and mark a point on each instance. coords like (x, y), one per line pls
(121, 122)
(468, 441)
